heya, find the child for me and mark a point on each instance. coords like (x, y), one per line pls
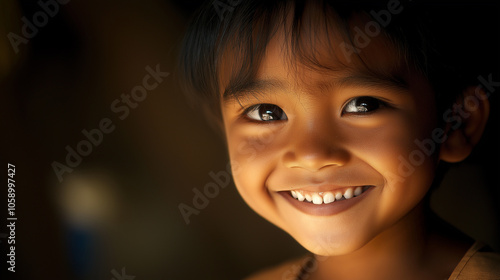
(339, 118)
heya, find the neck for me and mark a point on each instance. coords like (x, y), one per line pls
(411, 248)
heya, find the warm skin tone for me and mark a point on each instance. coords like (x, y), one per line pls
(323, 143)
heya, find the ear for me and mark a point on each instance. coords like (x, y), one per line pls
(465, 127)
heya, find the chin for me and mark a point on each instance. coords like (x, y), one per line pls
(329, 245)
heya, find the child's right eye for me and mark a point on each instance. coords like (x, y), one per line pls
(265, 112)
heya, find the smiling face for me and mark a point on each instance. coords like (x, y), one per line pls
(341, 139)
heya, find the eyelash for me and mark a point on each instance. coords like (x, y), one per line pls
(362, 101)
(354, 103)
(269, 108)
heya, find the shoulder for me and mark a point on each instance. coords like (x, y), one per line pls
(479, 263)
(483, 265)
(284, 271)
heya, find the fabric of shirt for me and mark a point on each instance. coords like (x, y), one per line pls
(479, 263)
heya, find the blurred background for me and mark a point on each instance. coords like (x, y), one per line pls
(116, 211)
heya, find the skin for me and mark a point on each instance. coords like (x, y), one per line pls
(321, 145)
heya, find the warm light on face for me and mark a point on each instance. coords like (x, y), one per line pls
(339, 137)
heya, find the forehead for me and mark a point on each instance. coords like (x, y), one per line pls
(322, 50)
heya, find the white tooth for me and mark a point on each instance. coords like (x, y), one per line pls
(358, 191)
(338, 196)
(328, 197)
(308, 197)
(294, 194)
(348, 193)
(317, 199)
(300, 196)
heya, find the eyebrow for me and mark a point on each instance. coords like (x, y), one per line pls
(263, 87)
(234, 91)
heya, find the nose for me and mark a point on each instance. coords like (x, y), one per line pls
(315, 147)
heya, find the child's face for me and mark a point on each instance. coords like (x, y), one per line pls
(328, 133)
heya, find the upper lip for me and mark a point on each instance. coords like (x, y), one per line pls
(324, 187)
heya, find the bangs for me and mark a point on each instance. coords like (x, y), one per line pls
(223, 51)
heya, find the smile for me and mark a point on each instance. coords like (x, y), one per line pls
(326, 203)
(329, 196)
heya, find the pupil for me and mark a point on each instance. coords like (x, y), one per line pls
(269, 112)
(365, 104)
(267, 116)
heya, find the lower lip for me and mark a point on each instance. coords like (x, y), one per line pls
(324, 209)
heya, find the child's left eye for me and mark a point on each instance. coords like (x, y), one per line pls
(363, 105)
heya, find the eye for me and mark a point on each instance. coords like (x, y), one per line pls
(363, 105)
(265, 112)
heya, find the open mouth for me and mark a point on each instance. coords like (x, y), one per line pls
(328, 196)
(326, 203)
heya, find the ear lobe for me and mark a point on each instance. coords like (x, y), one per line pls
(470, 115)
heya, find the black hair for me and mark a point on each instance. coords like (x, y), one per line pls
(432, 38)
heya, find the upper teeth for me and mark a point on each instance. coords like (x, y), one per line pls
(327, 197)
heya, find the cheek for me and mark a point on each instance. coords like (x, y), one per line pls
(382, 146)
(392, 151)
(253, 157)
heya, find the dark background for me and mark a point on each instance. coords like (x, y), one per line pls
(119, 207)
